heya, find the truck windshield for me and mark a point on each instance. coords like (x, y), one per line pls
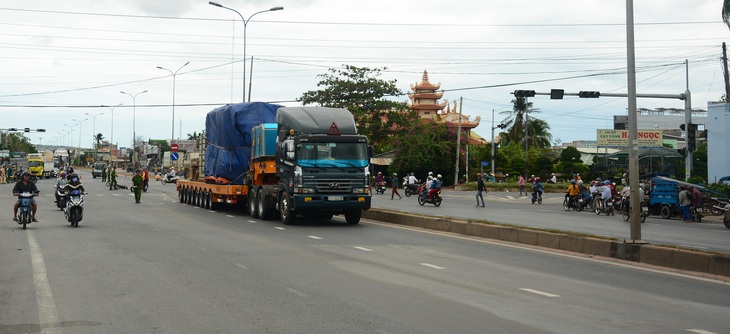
(332, 154)
(34, 164)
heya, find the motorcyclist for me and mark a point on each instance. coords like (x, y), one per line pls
(146, 175)
(435, 186)
(25, 185)
(572, 192)
(412, 179)
(379, 179)
(60, 183)
(171, 174)
(605, 191)
(537, 188)
(74, 182)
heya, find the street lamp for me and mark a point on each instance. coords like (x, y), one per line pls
(245, 23)
(174, 75)
(134, 124)
(79, 123)
(94, 141)
(112, 109)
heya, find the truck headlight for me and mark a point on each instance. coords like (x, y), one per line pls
(365, 190)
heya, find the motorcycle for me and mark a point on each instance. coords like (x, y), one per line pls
(726, 219)
(606, 207)
(423, 197)
(411, 189)
(25, 211)
(578, 204)
(380, 189)
(74, 210)
(173, 179)
(644, 211)
(536, 197)
(61, 198)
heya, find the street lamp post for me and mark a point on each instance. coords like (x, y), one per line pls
(79, 123)
(174, 75)
(245, 23)
(93, 142)
(112, 109)
(134, 124)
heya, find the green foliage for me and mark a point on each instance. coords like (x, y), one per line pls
(16, 142)
(359, 90)
(700, 161)
(721, 188)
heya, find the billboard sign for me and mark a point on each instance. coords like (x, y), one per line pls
(620, 138)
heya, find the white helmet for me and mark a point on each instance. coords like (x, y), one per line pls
(438, 176)
(430, 173)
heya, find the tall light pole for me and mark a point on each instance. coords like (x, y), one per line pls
(93, 142)
(245, 23)
(79, 123)
(112, 109)
(174, 75)
(134, 124)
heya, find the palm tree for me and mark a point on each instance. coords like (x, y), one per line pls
(193, 136)
(726, 12)
(97, 139)
(521, 109)
(539, 133)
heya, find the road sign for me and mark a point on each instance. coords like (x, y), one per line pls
(485, 163)
(174, 148)
(174, 156)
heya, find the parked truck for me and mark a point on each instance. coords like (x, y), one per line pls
(283, 161)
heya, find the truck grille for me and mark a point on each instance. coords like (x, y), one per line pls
(333, 186)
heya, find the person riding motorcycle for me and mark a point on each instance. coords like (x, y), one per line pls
(572, 192)
(74, 182)
(60, 183)
(25, 185)
(605, 191)
(435, 186)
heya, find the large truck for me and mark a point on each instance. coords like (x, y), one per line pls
(41, 164)
(288, 162)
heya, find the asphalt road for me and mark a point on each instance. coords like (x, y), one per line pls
(165, 267)
(509, 208)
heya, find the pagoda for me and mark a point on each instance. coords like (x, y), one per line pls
(425, 101)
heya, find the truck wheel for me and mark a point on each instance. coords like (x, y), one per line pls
(252, 208)
(726, 219)
(353, 216)
(262, 205)
(287, 216)
(666, 212)
(181, 195)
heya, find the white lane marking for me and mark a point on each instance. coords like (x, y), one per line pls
(315, 237)
(432, 266)
(211, 211)
(47, 315)
(511, 197)
(157, 229)
(279, 228)
(116, 195)
(229, 216)
(540, 292)
(300, 294)
(700, 331)
(100, 195)
(240, 266)
(363, 249)
(203, 249)
(252, 221)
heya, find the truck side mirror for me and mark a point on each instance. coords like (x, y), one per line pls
(370, 151)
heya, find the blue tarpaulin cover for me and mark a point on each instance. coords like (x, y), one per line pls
(228, 133)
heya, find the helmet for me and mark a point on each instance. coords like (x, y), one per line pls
(412, 174)
(63, 174)
(73, 177)
(607, 182)
(438, 176)
(26, 173)
(572, 181)
(379, 173)
(479, 174)
(430, 173)
(394, 174)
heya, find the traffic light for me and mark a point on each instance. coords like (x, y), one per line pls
(681, 126)
(26, 130)
(12, 129)
(692, 137)
(557, 94)
(682, 151)
(589, 94)
(502, 126)
(40, 130)
(524, 93)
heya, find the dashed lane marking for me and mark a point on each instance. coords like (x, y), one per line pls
(298, 293)
(432, 266)
(47, 315)
(279, 228)
(229, 216)
(700, 331)
(542, 293)
(240, 266)
(363, 249)
(315, 237)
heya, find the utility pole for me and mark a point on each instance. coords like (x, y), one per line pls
(725, 71)
(458, 145)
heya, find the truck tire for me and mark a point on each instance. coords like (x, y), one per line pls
(353, 216)
(181, 195)
(666, 212)
(262, 205)
(288, 217)
(252, 208)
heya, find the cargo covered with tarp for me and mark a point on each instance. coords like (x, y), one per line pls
(228, 136)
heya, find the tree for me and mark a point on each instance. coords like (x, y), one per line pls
(359, 90)
(570, 162)
(538, 131)
(97, 140)
(193, 136)
(16, 142)
(726, 12)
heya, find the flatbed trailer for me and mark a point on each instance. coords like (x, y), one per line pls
(211, 196)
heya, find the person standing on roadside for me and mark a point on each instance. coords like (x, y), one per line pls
(103, 175)
(481, 188)
(137, 184)
(521, 182)
(685, 200)
(395, 187)
(112, 178)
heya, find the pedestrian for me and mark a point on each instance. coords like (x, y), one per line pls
(146, 175)
(112, 178)
(685, 200)
(395, 187)
(2, 174)
(103, 175)
(137, 183)
(481, 188)
(521, 182)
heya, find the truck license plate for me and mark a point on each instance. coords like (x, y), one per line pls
(335, 198)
